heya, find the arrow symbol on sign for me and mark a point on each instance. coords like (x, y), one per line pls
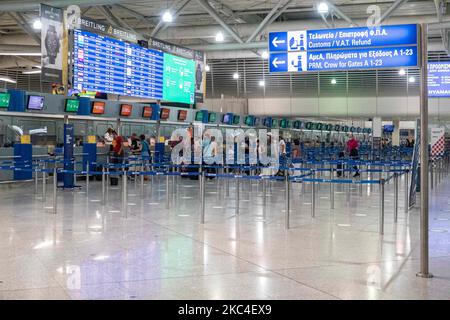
(275, 62)
(275, 42)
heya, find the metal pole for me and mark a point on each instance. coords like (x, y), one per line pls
(313, 196)
(395, 197)
(331, 195)
(167, 191)
(406, 191)
(44, 181)
(227, 184)
(36, 180)
(202, 195)
(55, 185)
(74, 172)
(87, 178)
(124, 193)
(142, 178)
(264, 192)
(288, 198)
(237, 196)
(381, 219)
(424, 272)
(103, 187)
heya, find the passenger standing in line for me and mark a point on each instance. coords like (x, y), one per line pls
(118, 152)
(145, 153)
(282, 154)
(109, 138)
(352, 148)
(296, 154)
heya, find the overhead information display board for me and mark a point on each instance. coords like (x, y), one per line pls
(439, 79)
(112, 66)
(344, 49)
(179, 79)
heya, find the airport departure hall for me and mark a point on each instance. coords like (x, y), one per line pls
(225, 150)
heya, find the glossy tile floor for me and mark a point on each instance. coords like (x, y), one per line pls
(90, 251)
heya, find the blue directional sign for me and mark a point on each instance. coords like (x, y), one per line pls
(344, 49)
(390, 57)
(278, 41)
(439, 79)
(278, 62)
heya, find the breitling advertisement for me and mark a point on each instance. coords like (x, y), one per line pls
(51, 44)
(200, 77)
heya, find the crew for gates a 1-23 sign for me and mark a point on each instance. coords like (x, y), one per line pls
(343, 49)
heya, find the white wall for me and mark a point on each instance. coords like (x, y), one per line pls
(387, 107)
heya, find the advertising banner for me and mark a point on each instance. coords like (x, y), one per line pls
(51, 44)
(437, 142)
(438, 79)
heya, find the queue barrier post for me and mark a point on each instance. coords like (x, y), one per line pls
(55, 185)
(103, 187)
(395, 197)
(167, 191)
(44, 182)
(142, 178)
(331, 195)
(124, 193)
(202, 195)
(264, 187)
(36, 180)
(313, 196)
(87, 179)
(406, 196)
(237, 196)
(287, 198)
(381, 218)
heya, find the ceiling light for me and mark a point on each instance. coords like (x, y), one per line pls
(333, 81)
(37, 24)
(207, 68)
(236, 76)
(411, 80)
(262, 83)
(167, 17)
(322, 8)
(402, 72)
(7, 79)
(219, 37)
(31, 72)
(265, 55)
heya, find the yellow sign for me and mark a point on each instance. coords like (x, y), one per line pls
(92, 139)
(161, 139)
(25, 139)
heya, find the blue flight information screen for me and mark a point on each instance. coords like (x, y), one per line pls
(112, 66)
(439, 79)
(344, 49)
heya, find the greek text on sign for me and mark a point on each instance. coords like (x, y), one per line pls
(394, 35)
(343, 49)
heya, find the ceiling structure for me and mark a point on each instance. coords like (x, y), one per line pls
(245, 25)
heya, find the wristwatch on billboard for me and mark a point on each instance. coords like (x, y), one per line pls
(52, 44)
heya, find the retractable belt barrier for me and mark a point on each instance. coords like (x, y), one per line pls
(291, 175)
